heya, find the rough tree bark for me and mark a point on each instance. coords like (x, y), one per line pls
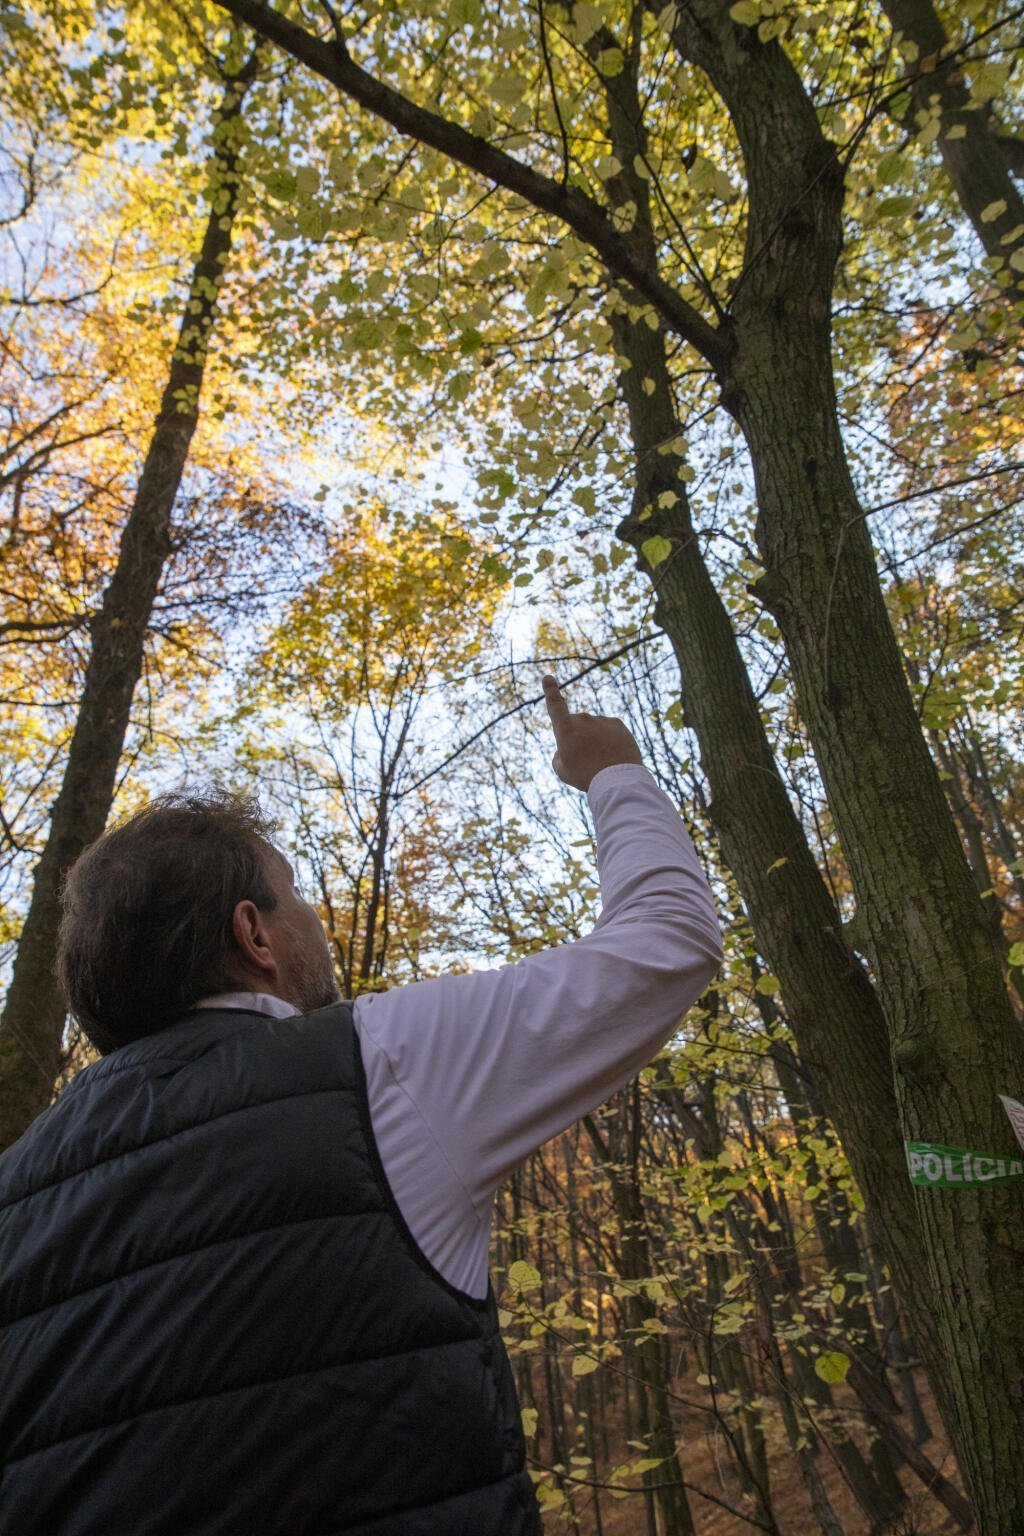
(32, 1023)
(953, 1036)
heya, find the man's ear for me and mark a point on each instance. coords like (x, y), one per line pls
(253, 941)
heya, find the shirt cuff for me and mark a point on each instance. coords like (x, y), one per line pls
(617, 773)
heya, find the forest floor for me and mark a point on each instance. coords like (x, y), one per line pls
(705, 1466)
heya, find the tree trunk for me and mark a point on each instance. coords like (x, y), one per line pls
(974, 157)
(34, 1011)
(969, 823)
(899, 1354)
(727, 1356)
(673, 1516)
(1000, 831)
(803, 1442)
(876, 1486)
(835, 1222)
(955, 1043)
(832, 1008)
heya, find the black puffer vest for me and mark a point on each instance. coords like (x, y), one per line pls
(215, 1321)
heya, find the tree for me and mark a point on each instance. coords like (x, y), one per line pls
(33, 1016)
(362, 667)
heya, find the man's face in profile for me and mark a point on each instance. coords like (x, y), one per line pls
(307, 974)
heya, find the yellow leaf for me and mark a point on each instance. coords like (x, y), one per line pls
(582, 1365)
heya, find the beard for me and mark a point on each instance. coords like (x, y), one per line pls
(311, 982)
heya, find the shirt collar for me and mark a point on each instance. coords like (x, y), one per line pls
(252, 1002)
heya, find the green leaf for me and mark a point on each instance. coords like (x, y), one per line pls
(746, 12)
(1016, 955)
(281, 184)
(832, 1366)
(509, 89)
(896, 207)
(890, 168)
(732, 1323)
(989, 80)
(586, 19)
(464, 13)
(767, 984)
(611, 62)
(655, 550)
(523, 1276)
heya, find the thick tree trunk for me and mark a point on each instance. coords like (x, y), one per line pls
(33, 1017)
(832, 1008)
(833, 1011)
(955, 1043)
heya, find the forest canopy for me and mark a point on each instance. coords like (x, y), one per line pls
(362, 362)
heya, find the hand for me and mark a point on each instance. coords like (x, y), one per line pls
(584, 744)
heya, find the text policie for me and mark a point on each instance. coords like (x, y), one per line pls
(930, 1165)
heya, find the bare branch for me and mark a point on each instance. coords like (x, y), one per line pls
(506, 714)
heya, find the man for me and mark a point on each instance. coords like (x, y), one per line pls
(243, 1258)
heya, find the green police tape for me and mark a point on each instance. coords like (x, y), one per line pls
(952, 1167)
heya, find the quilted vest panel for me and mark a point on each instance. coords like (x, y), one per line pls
(214, 1322)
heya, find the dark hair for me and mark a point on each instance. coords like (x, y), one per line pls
(146, 928)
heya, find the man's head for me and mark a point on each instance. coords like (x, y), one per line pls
(184, 900)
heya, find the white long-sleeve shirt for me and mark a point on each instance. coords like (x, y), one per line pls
(468, 1074)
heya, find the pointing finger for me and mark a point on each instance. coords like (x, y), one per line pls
(558, 709)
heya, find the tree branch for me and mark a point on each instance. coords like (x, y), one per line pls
(601, 661)
(332, 62)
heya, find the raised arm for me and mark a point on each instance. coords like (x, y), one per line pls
(471, 1073)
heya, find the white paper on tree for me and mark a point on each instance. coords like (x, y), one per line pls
(1016, 1114)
